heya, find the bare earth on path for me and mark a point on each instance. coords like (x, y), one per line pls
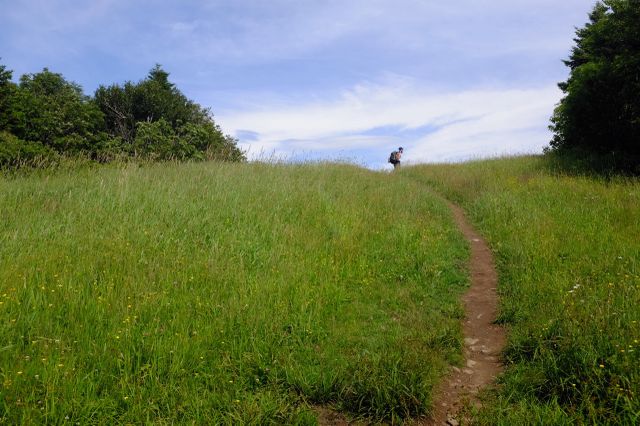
(483, 340)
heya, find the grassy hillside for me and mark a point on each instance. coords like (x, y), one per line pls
(216, 293)
(568, 253)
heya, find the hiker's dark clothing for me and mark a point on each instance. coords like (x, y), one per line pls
(394, 159)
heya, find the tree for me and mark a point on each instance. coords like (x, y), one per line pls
(51, 111)
(154, 119)
(7, 91)
(47, 116)
(600, 112)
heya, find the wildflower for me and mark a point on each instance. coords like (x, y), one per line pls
(19, 373)
(601, 366)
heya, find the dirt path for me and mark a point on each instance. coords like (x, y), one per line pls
(483, 339)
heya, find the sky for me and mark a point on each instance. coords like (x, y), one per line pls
(346, 80)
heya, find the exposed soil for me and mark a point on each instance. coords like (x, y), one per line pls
(483, 339)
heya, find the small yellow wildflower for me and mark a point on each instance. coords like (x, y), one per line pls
(601, 366)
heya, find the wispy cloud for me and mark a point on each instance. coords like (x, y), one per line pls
(451, 125)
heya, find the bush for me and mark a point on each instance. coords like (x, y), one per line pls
(16, 152)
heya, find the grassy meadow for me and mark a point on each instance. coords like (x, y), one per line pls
(568, 255)
(223, 294)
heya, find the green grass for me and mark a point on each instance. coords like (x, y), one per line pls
(568, 254)
(218, 293)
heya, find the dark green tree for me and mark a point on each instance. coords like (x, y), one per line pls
(600, 112)
(154, 119)
(51, 111)
(7, 92)
(47, 116)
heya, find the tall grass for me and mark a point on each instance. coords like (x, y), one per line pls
(568, 253)
(223, 293)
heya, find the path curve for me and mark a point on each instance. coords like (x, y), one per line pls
(483, 340)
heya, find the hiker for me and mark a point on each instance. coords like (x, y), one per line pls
(395, 156)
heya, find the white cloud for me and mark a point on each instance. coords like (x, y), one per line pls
(464, 124)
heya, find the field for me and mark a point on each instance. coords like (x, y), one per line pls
(219, 293)
(256, 293)
(568, 257)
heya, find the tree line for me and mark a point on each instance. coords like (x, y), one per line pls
(599, 116)
(45, 117)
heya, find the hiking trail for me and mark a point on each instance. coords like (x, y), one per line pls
(483, 340)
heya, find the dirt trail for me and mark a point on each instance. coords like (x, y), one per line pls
(483, 340)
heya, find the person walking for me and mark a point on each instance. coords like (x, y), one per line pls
(395, 156)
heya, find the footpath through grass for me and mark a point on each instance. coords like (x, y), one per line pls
(214, 293)
(568, 254)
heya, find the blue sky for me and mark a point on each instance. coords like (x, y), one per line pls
(309, 79)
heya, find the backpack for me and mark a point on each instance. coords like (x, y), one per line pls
(393, 157)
